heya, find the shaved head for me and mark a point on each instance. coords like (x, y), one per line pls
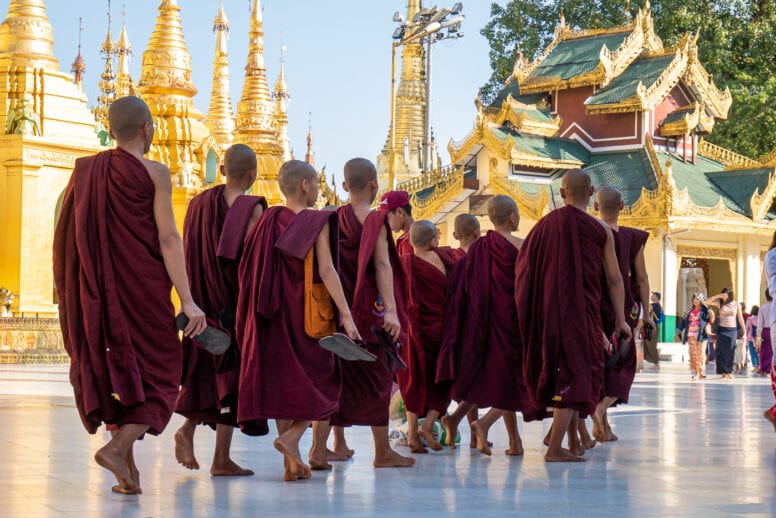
(292, 174)
(126, 116)
(500, 208)
(466, 226)
(609, 199)
(576, 183)
(359, 173)
(239, 161)
(422, 234)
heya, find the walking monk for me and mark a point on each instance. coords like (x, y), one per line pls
(369, 262)
(397, 203)
(629, 248)
(285, 374)
(558, 293)
(216, 221)
(117, 254)
(480, 351)
(425, 274)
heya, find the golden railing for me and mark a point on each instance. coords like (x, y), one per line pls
(725, 156)
(448, 184)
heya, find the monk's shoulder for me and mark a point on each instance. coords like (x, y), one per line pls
(159, 173)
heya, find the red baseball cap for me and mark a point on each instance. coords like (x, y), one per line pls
(392, 200)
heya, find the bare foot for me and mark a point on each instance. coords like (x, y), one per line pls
(333, 456)
(230, 469)
(588, 442)
(129, 491)
(341, 450)
(184, 448)
(562, 455)
(767, 415)
(430, 440)
(417, 447)
(577, 449)
(320, 466)
(482, 439)
(546, 440)
(516, 450)
(392, 459)
(599, 432)
(295, 464)
(111, 460)
(450, 431)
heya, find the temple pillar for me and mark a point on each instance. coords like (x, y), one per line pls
(670, 271)
(750, 270)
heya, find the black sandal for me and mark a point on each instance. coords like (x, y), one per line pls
(345, 348)
(214, 339)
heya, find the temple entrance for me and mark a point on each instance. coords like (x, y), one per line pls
(703, 270)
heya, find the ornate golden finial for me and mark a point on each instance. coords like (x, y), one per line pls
(256, 122)
(309, 157)
(647, 6)
(282, 97)
(562, 22)
(79, 67)
(220, 118)
(107, 82)
(124, 84)
(26, 36)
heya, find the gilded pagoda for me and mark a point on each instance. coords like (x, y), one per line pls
(632, 112)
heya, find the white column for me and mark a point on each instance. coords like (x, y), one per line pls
(751, 270)
(670, 271)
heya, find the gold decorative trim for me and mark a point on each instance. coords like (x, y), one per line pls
(761, 203)
(707, 252)
(532, 206)
(687, 123)
(730, 159)
(449, 184)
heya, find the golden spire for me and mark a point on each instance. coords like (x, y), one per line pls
(79, 67)
(124, 84)
(165, 85)
(220, 119)
(309, 157)
(282, 97)
(256, 123)
(26, 36)
(107, 79)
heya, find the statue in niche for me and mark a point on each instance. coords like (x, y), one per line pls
(102, 133)
(185, 176)
(22, 120)
(6, 299)
(694, 282)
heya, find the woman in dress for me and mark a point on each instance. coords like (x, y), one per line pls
(692, 331)
(730, 318)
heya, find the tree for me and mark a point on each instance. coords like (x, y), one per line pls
(737, 45)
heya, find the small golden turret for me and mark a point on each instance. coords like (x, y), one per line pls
(220, 119)
(124, 83)
(309, 156)
(78, 68)
(282, 97)
(107, 82)
(26, 36)
(256, 123)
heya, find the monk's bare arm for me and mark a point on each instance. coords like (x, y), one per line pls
(384, 274)
(614, 280)
(332, 282)
(172, 246)
(257, 212)
(642, 279)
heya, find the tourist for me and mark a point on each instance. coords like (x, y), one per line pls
(751, 335)
(397, 204)
(763, 342)
(117, 254)
(692, 331)
(769, 268)
(730, 319)
(559, 276)
(650, 345)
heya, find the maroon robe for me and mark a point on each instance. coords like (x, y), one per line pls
(458, 253)
(366, 386)
(426, 292)
(403, 244)
(619, 378)
(558, 293)
(209, 384)
(481, 351)
(117, 318)
(284, 373)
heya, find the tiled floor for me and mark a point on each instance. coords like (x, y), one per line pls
(686, 448)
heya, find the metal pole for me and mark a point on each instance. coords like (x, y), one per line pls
(392, 151)
(427, 131)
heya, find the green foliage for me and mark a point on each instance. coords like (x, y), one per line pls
(737, 45)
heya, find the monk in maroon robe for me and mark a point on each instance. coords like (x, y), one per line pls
(397, 204)
(284, 373)
(558, 294)
(219, 216)
(480, 352)
(374, 289)
(425, 275)
(117, 254)
(629, 246)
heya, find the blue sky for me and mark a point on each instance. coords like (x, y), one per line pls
(337, 63)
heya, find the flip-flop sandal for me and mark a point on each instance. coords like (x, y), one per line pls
(345, 348)
(620, 349)
(214, 339)
(390, 347)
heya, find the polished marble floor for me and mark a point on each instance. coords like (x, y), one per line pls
(685, 449)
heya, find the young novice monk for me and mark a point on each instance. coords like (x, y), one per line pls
(285, 374)
(480, 352)
(397, 205)
(425, 273)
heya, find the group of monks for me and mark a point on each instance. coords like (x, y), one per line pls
(541, 326)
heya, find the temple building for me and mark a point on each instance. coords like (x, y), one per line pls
(631, 112)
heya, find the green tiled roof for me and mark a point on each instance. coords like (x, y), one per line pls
(572, 58)
(627, 171)
(741, 185)
(644, 70)
(552, 147)
(531, 99)
(512, 89)
(676, 116)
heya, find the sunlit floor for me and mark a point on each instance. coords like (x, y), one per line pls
(686, 448)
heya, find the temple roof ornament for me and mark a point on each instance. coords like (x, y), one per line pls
(220, 118)
(26, 36)
(309, 156)
(107, 82)
(78, 68)
(124, 84)
(282, 97)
